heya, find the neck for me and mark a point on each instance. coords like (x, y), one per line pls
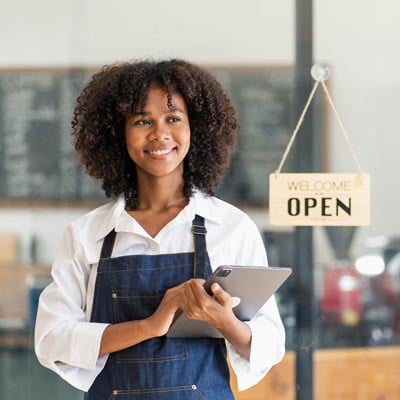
(160, 194)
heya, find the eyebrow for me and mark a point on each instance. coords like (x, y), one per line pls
(168, 110)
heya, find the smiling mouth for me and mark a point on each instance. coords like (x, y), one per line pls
(160, 152)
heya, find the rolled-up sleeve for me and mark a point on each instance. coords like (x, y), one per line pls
(267, 347)
(268, 333)
(65, 341)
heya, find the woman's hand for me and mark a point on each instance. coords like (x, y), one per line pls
(160, 322)
(191, 298)
(196, 303)
(217, 311)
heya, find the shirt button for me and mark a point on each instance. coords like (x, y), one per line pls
(194, 387)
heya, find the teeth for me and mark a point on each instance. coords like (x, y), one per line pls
(160, 152)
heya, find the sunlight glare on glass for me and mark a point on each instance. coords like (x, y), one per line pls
(348, 283)
(370, 265)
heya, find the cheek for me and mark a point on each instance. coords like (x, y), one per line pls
(132, 139)
(186, 136)
(185, 144)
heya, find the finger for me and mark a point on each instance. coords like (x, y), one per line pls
(194, 299)
(220, 295)
(197, 287)
(193, 293)
(175, 293)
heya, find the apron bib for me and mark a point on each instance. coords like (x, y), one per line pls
(130, 288)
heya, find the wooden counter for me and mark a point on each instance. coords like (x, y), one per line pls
(16, 338)
(371, 373)
(14, 287)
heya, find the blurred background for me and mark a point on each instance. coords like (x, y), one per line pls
(48, 51)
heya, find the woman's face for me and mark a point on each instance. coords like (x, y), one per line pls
(158, 137)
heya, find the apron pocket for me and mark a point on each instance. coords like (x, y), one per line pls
(154, 350)
(131, 305)
(165, 393)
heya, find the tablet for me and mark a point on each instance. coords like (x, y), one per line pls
(250, 288)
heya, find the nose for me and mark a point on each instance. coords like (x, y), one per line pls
(160, 132)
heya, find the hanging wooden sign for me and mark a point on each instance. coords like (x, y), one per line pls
(319, 199)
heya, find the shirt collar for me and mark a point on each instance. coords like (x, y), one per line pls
(117, 218)
(111, 217)
(204, 205)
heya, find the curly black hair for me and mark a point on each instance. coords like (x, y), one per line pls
(98, 123)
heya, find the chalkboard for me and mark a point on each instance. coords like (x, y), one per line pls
(38, 163)
(263, 99)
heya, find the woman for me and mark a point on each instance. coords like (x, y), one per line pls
(159, 135)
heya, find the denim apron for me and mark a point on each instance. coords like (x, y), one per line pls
(130, 288)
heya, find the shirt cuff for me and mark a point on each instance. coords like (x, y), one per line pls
(267, 349)
(241, 367)
(267, 346)
(82, 365)
(79, 378)
(85, 344)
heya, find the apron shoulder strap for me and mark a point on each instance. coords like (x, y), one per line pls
(198, 225)
(108, 245)
(200, 247)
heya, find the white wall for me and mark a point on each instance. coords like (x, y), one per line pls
(68, 32)
(358, 38)
(361, 40)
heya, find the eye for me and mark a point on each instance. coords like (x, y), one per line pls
(142, 121)
(174, 119)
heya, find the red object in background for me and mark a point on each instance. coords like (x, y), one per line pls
(341, 300)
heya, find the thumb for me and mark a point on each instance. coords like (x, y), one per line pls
(220, 295)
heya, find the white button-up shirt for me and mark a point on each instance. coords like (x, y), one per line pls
(68, 343)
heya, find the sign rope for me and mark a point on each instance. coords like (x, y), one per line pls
(301, 119)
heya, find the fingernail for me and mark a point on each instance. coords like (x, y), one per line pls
(215, 286)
